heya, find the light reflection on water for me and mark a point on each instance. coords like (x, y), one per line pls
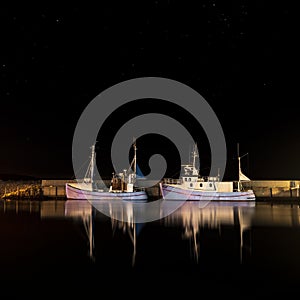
(220, 230)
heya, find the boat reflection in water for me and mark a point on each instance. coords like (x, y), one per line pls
(83, 211)
(239, 242)
(190, 220)
(190, 217)
(216, 214)
(124, 215)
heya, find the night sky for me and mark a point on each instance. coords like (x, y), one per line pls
(239, 55)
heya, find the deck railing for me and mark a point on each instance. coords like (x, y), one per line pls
(172, 181)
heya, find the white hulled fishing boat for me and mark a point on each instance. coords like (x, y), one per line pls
(192, 186)
(123, 185)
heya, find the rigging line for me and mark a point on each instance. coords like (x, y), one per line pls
(80, 168)
(88, 170)
(130, 167)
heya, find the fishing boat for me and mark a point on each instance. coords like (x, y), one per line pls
(123, 185)
(192, 186)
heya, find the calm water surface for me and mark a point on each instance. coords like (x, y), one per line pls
(237, 247)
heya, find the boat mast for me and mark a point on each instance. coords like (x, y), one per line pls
(134, 159)
(133, 164)
(93, 159)
(241, 175)
(239, 168)
(195, 172)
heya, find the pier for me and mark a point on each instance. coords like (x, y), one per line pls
(275, 190)
(265, 190)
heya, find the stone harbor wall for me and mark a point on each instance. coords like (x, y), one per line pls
(55, 188)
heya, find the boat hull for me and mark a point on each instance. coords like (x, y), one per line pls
(171, 192)
(81, 193)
